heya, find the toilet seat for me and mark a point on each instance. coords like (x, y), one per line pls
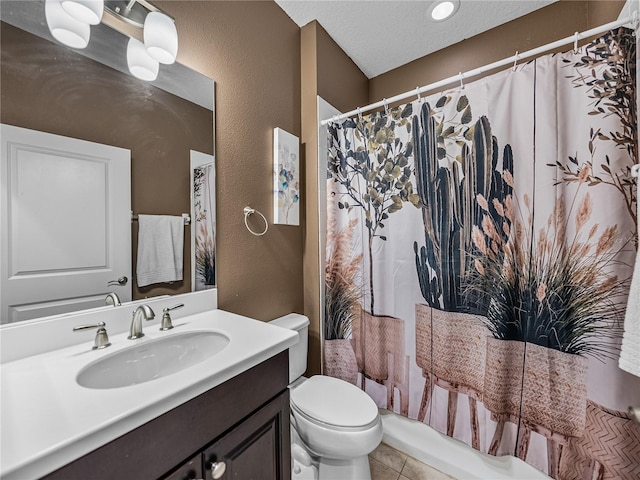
(334, 403)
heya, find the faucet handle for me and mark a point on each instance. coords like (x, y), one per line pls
(166, 317)
(102, 339)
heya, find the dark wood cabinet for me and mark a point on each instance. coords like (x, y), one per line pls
(191, 470)
(243, 422)
(252, 450)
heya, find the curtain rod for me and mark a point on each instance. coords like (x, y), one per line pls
(478, 71)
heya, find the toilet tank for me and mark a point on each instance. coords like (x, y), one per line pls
(297, 352)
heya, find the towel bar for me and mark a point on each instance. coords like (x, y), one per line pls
(185, 216)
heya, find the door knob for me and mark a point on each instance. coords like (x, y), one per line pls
(121, 281)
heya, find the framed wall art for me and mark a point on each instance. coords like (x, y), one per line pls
(286, 178)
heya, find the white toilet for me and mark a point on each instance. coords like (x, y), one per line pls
(335, 425)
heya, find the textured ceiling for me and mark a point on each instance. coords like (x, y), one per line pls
(380, 35)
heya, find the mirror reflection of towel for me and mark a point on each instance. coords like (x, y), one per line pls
(160, 245)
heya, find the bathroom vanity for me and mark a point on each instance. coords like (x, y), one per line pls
(241, 427)
(224, 415)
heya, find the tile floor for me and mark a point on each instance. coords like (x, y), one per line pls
(387, 463)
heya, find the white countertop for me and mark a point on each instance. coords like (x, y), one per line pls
(49, 420)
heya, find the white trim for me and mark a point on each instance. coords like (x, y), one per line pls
(324, 108)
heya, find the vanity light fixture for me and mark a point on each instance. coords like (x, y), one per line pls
(65, 28)
(158, 28)
(440, 11)
(69, 22)
(161, 37)
(86, 11)
(140, 63)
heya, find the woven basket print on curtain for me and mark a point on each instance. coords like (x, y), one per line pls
(458, 341)
(382, 336)
(377, 341)
(609, 449)
(554, 391)
(340, 360)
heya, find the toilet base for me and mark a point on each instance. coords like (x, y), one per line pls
(310, 467)
(356, 468)
(329, 469)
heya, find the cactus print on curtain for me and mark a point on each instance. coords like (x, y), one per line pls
(487, 235)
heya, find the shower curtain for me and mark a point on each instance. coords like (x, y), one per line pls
(479, 247)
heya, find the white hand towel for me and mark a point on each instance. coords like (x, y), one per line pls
(160, 245)
(630, 351)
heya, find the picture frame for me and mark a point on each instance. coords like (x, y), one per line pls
(286, 178)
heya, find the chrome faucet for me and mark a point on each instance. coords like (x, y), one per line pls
(113, 299)
(135, 331)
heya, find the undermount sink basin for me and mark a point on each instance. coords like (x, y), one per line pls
(152, 359)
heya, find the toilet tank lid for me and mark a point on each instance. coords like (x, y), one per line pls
(293, 321)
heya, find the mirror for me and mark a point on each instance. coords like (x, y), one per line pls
(89, 95)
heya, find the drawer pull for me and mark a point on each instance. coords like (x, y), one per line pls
(218, 469)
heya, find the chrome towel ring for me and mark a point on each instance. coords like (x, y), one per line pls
(248, 211)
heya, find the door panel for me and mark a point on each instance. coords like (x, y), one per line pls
(259, 448)
(66, 223)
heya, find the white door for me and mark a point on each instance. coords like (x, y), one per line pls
(65, 220)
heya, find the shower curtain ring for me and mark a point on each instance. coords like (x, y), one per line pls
(461, 80)
(359, 114)
(418, 93)
(515, 61)
(575, 43)
(386, 106)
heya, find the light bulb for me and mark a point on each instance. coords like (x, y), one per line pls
(161, 37)
(64, 28)
(86, 11)
(141, 65)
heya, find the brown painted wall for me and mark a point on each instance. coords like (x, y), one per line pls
(340, 81)
(538, 28)
(50, 88)
(251, 49)
(321, 60)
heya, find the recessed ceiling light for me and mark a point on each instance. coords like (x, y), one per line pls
(440, 11)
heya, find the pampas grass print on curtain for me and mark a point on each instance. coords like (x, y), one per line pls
(496, 224)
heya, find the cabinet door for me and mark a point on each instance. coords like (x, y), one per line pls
(190, 470)
(259, 448)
